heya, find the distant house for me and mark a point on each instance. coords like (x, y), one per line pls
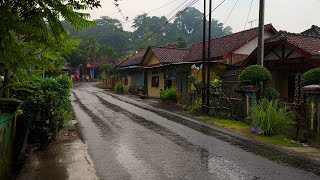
(164, 67)
(162, 73)
(313, 31)
(287, 54)
(132, 73)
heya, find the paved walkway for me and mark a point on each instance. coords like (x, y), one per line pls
(66, 158)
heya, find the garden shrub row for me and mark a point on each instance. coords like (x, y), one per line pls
(46, 107)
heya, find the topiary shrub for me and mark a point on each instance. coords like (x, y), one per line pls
(254, 74)
(169, 95)
(271, 94)
(119, 88)
(312, 77)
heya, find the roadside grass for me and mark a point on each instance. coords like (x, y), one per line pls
(102, 85)
(244, 129)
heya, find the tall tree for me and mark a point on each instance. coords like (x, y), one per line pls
(29, 28)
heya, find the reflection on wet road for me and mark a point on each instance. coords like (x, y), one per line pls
(127, 142)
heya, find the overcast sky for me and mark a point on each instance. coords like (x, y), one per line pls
(289, 15)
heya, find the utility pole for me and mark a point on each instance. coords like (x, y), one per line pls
(209, 57)
(261, 34)
(204, 60)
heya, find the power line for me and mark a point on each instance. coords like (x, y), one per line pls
(119, 10)
(183, 4)
(245, 25)
(158, 9)
(231, 12)
(161, 7)
(127, 21)
(191, 3)
(208, 14)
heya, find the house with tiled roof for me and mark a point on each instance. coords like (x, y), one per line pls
(169, 66)
(287, 54)
(230, 49)
(313, 31)
(159, 63)
(226, 51)
(132, 72)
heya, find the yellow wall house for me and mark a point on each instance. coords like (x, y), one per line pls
(161, 73)
(229, 50)
(134, 73)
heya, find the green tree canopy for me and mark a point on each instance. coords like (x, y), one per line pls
(31, 34)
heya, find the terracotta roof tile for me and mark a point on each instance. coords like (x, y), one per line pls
(313, 31)
(168, 55)
(225, 45)
(134, 60)
(309, 44)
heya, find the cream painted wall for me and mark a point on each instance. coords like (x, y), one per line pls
(251, 46)
(154, 92)
(214, 71)
(153, 60)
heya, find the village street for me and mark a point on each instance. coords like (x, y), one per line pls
(127, 142)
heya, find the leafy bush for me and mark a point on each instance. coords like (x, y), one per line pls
(255, 73)
(102, 85)
(46, 106)
(192, 78)
(271, 118)
(312, 77)
(169, 95)
(271, 94)
(197, 106)
(119, 88)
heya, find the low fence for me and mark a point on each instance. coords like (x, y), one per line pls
(227, 103)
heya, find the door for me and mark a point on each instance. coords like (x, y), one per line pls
(182, 82)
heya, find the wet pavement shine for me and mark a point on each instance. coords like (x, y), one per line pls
(128, 142)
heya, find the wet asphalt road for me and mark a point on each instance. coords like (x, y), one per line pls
(127, 142)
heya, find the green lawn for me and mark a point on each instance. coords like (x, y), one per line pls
(244, 129)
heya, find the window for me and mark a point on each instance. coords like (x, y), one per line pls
(170, 73)
(155, 81)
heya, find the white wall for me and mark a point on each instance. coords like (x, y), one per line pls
(252, 45)
(271, 56)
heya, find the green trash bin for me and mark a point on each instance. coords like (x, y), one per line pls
(8, 107)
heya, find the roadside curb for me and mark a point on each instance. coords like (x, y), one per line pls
(226, 134)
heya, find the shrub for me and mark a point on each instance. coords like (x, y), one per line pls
(197, 106)
(312, 77)
(46, 107)
(271, 94)
(192, 78)
(102, 85)
(119, 87)
(169, 95)
(255, 73)
(271, 118)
